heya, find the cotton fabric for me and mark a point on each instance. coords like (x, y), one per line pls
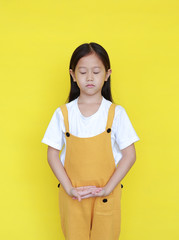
(90, 161)
(123, 133)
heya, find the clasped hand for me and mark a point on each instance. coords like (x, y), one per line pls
(86, 192)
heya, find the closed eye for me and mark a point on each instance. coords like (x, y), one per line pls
(96, 72)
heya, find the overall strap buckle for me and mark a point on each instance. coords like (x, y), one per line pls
(110, 119)
(65, 116)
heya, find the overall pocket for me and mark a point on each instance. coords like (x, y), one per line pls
(109, 204)
(104, 205)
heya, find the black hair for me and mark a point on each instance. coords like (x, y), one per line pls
(84, 50)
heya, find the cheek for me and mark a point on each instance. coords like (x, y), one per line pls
(103, 74)
(80, 76)
(102, 78)
(80, 81)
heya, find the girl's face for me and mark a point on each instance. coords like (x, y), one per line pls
(90, 74)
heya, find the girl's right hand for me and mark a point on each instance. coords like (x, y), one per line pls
(74, 193)
(83, 192)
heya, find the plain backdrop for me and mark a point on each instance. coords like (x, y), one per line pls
(37, 39)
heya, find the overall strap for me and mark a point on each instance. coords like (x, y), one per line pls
(111, 113)
(65, 116)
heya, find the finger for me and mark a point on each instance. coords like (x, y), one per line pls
(99, 194)
(89, 189)
(94, 194)
(92, 191)
(96, 191)
(85, 187)
(79, 197)
(87, 196)
(76, 195)
(85, 192)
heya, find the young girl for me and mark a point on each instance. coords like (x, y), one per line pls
(98, 140)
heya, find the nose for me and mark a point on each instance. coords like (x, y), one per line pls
(90, 76)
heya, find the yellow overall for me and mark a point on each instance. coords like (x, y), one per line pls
(90, 161)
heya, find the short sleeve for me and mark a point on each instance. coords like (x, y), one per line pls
(54, 134)
(124, 131)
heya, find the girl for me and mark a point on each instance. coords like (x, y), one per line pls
(98, 140)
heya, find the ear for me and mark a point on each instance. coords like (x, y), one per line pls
(72, 74)
(108, 73)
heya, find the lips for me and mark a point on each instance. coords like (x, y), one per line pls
(89, 85)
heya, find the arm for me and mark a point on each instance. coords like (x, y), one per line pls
(58, 169)
(60, 173)
(128, 159)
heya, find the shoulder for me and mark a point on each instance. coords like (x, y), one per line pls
(57, 118)
(120, 116)
(58, 112)
(70, 107)
(118, 108)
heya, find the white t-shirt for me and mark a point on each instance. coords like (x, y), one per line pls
(122, 131)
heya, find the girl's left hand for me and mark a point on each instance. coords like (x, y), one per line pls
(95, 192)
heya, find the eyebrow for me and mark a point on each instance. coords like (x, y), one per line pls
(85, 67)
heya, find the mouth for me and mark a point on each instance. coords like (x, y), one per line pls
(89, 85)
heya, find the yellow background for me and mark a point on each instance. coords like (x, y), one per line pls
(37, 39)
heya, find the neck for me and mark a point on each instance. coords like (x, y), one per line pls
(90, 99)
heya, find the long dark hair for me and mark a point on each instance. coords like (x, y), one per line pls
(84, 50)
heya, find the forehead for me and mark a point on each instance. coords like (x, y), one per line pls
(91, 60)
